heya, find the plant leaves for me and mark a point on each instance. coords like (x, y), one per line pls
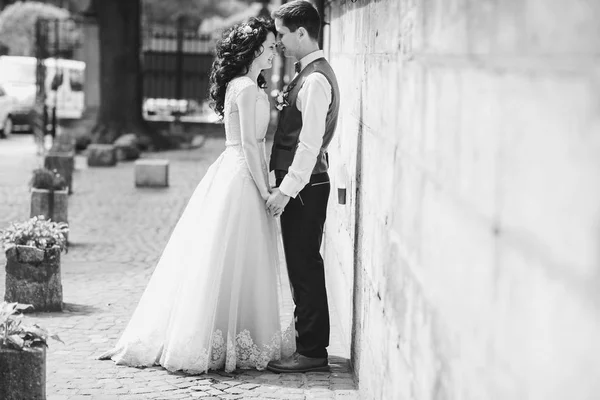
(19, 335)
(22, 307)
(16, 340)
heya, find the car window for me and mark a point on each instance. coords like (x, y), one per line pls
(76, 80)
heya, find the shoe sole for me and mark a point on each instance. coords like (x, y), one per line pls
(324, 368)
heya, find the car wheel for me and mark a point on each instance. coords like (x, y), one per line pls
(8, 127)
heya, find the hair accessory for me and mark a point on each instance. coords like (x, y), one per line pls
(245, 30)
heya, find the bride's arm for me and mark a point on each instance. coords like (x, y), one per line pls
(246, 102)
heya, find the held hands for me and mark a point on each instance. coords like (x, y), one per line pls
(276, 202)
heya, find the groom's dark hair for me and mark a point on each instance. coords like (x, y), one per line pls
(300, 13)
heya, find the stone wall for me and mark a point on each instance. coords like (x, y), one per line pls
(466, 262)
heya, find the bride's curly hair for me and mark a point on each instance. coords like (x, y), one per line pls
(235, 51)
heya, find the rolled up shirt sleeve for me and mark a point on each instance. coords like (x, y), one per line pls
(313, 102)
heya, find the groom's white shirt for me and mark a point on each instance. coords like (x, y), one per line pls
(313, 102)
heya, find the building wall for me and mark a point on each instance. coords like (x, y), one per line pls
(466, 262)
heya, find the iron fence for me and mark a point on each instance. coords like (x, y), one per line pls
(176, 65)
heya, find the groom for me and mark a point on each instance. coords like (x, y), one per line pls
(299, 158)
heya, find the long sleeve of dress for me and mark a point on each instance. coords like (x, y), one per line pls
(246, 103)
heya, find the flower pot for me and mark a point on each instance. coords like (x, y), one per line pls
(53, 205)
(63, 163)
(23, 373)
(33, 277)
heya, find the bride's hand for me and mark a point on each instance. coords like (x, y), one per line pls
(267, 204)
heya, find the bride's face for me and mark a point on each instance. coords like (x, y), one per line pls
(265, 59)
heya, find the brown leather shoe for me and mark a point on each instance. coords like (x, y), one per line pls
(299, 363)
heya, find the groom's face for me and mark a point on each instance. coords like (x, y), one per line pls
(287, 40)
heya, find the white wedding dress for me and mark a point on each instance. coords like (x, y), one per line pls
(213, 299)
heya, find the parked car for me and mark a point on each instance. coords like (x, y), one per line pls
(63, 86)
(17, 76)
(7, 104)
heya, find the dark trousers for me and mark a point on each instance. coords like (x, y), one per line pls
(302, 224)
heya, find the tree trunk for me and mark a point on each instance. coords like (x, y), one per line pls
(120, 109)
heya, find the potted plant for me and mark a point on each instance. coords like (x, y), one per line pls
(22, 355)
(61, 158)
(49, 196)
(33, 252)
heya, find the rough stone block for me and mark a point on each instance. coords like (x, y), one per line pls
(30, 254)
(34, 282)
(125, 153)
(23, 373)
(127, 147)
(102, 155)
(52, 205)
(63, 163)
(151, 173)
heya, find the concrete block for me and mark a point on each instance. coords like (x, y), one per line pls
(102, 155)
(152, 173)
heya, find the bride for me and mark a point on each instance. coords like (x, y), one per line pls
(213, 299)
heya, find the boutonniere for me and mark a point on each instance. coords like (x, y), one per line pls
(281, 100)
(282, 97)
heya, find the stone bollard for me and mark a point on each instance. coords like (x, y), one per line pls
(33, 277)
(53, 205)
(63, 163)
(152, 173)
(23, 373)
(101, 155)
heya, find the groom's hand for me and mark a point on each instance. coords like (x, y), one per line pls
(277, 202)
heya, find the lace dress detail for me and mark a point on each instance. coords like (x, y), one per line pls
(231, 117)
(213, 300)
(233, 129)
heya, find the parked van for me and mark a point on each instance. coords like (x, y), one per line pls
(63, 84)
(64, 87)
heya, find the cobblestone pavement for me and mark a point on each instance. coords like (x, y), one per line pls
(117, 234)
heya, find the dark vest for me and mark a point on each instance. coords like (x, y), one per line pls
(287, 134)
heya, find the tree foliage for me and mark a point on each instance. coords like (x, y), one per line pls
(17, 25)
(194, 11)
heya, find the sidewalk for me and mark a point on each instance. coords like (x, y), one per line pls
(118, 233)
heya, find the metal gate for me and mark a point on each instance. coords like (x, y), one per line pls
(175, 65)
